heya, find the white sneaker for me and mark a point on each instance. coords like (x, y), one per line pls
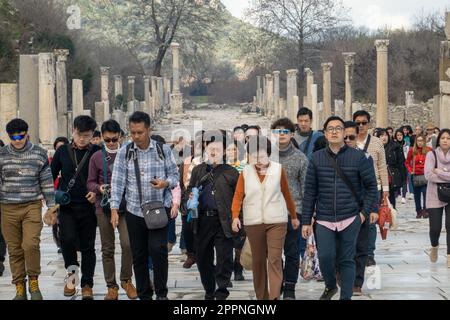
(410, 196)
(403, 200)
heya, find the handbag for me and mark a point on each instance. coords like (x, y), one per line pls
(154, 212)
(418, 180)
(63, 197)
(246, 256)
(443, 189)
(309, 267)
(384, 218)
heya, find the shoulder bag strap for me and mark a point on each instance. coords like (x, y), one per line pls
(366, 146)
(138, 176)
(435, 160)
(342, 175)
(105, 167)
(79, 168)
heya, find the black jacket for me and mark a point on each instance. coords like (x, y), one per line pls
(225, 178)
(328, 194)
(395, 160)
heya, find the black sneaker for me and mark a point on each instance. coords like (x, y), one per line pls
(2, 268)
(162, 298)
(289, 291)
(371, 262)
(328, 293)
(238, 276)
(230, 284)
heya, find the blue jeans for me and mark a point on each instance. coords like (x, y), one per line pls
(338, 247)
(291, 254)
(373, 231)
(418, 193)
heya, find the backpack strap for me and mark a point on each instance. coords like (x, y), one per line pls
(367, 143)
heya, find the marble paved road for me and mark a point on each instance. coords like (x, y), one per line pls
(406, 272)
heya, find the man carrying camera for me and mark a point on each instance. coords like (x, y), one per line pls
(99, 182)
(77, 220)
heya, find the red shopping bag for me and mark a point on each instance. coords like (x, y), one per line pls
(384, 218)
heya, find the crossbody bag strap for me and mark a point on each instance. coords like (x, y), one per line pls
(79, 168)
(138, 177)
(366, 146)
(435, 159)
(344, 178)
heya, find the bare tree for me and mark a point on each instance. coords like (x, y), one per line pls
(299, 21)
(148, 27)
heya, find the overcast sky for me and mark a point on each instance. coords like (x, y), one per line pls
(372, 13)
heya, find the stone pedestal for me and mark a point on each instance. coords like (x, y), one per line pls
(382, 83)
(99, 113)
(61, 91)
(29, 95)
(176, 103)
(276, 93)
(77, 98)
(48, 120)
(120, 117)
(326, 67)
(349, 60)
(131, 82)
(258, 92)
(309, 82)
(291, 92)
(8, 107)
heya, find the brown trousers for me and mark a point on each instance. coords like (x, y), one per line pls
(108, 238)
(21, 227)
(266, 243)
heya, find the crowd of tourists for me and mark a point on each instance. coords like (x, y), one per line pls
(275, 192)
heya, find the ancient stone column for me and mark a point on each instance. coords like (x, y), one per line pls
(259, 98)
(315, 111)
(382, 83)
(309, 83)
(99, 112)
(61, 91)
(77, 98)
(29, 94)
(131, 82)
(349, 60)
(291, 93)
(160, 86)
(118, 89)
(104, 84)
(148, 104)
(155, 94)
(276, 93)
(444, 78)
(176, 98)
(269, 95)
(326, 67)
(8, 107)
(48, 120)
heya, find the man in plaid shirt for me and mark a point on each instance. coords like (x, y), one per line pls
(159, 174)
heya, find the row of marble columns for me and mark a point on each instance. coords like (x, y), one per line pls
(40, 98)
(268, 91)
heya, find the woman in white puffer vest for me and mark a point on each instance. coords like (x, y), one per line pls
(263, 195)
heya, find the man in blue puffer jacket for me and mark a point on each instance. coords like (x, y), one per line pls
(339, 213)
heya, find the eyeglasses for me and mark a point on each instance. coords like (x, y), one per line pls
(17, 137)
(114, 140)
(362, 123)
(281, 131)
(334, 129)
(351, 138)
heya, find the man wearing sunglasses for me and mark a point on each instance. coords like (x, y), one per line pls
(96, 183)
(77, 219)
(295, 164)
(375, 148)
(26, 180)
